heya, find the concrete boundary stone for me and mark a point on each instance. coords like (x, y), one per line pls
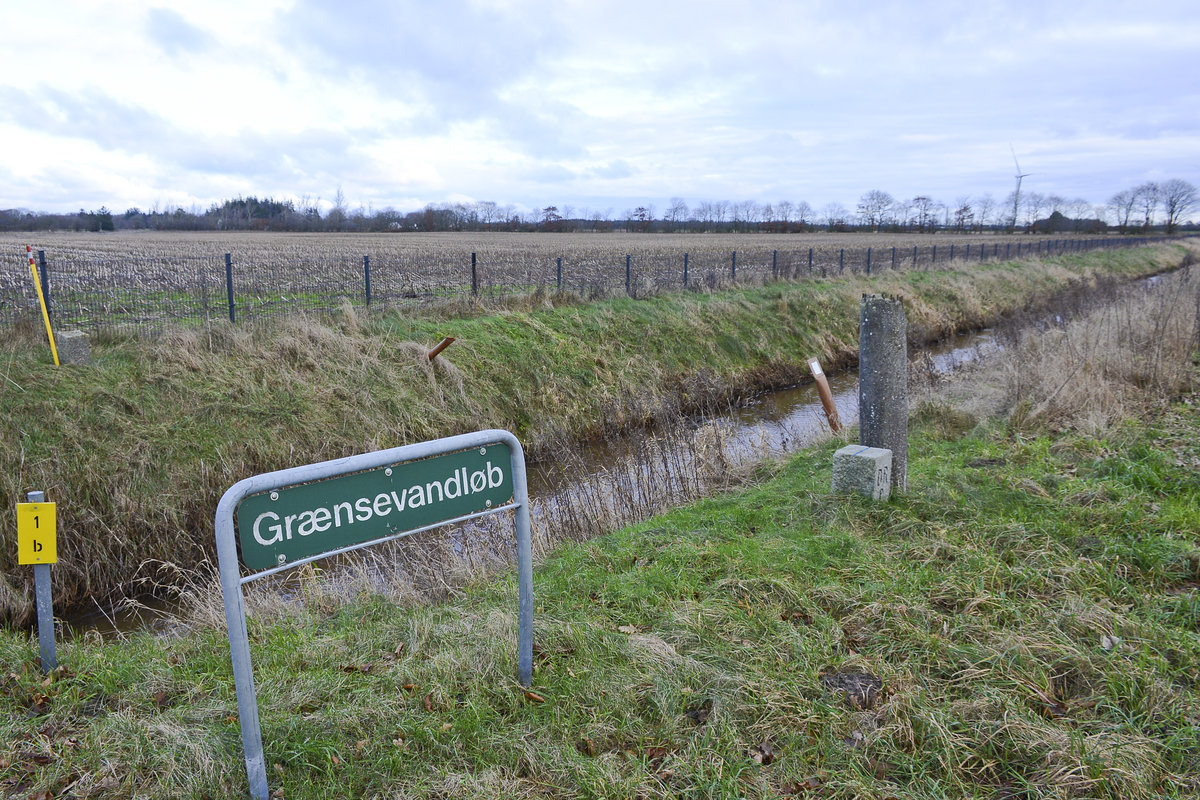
(863, 470)
(73, 347)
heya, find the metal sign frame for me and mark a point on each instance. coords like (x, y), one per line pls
(232, 579)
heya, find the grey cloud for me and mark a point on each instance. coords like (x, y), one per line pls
(455, 59)
(614, 170)
(96, 117)
(170, 31)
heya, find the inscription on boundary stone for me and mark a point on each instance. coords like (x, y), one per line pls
(863, 470)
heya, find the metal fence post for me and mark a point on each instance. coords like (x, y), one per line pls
(951, 258)
(775, 264)
(558, 276)
(628, 283)
(893, 258)
(685, 269)
(841, 261)
(367, 277)
(914, 257)
(733, 267)
(868, 261)
(933, 257)
(810, 261)
(474, 278)
(229, 283)
(45, 275)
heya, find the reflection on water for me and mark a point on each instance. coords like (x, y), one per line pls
(772, 424)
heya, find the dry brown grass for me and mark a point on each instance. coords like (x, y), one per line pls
(1127, 359)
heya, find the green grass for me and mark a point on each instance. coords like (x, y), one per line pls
(1030, 608)
(137, 448)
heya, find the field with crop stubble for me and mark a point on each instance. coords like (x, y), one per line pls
(146, 280)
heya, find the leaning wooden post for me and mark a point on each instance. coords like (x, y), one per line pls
(823, 391)
(883, 381)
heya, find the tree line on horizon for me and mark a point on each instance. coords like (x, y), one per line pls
(1147, 207)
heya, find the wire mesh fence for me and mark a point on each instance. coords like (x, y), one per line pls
(145, 293)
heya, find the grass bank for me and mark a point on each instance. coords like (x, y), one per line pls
(137, 448)
(1024, 622)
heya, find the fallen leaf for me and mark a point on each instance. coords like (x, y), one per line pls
(447, 726)
(763, 754)
(360, 745)
(805, 784)
(428, 702)
(1109, 643)
(588, 746)
(278, 767)
(534, 697)
(410, 687)
(39, 703)
(163, 698)
(700, 713)
(656, 754)
(334, 758)
(627, 629)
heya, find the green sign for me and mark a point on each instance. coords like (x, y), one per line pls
(309, 519)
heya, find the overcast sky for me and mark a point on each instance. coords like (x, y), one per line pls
(596, 105)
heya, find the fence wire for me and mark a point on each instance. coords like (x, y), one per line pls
(145, 294)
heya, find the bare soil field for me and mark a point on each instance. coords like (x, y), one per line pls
(143, 279)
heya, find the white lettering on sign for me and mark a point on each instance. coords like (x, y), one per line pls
(269, 528)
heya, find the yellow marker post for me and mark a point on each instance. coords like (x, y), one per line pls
(37, 533)
(37, 282)
(37, 544)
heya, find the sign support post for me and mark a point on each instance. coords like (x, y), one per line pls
(295, 516)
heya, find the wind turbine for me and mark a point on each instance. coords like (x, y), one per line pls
(1017, 193)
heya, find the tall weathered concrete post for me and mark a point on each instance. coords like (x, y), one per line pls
(883, 381)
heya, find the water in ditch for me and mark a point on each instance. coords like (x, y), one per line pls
(622, 479)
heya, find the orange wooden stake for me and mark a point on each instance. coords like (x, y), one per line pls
(835, 424)
(442, 345)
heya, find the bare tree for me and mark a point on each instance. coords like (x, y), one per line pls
(720, 211)
(925, 212)
(804, 212)
(835, 215)
(1122, 203)
(985, 204)
(1178, 197)
(1034, 203)
(874, 206)
(677, 211)
(1147, 202)
(964, 215)
(783, 212)
(1078, 210)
